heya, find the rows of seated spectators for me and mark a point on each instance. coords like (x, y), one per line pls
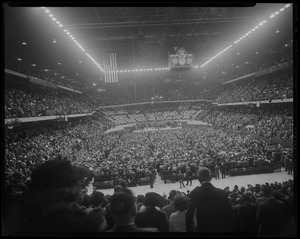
(26, 102)
(40, 102)
(36, 101)
(269, 88)
(55, 204)
(28, 148)
(266, 123)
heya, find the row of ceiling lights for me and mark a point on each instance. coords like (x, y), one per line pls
(68, 33)
(246, 34)
(230, 46)
(151, 69)
(156, 69)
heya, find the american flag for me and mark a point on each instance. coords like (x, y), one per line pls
(110, 70)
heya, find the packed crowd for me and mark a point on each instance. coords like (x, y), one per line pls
(43, 102)
(128, 156)
(268, 88)
(56, 203)
(28, 148)
(266, 123)
(39, 102)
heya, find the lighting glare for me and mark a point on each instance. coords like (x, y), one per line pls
(60, 25)
(47, 11)
(281, 9)
(53, 19)
(288, 5)
(51, 15)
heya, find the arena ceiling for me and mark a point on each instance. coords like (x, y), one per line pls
(141, 36)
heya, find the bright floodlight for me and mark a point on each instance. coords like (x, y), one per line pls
(53, 19)
(43, 7)
(281, 9)
(288, 5)
(60, 25)
(57, 22)
(68, 33)
(47, 11)
(51, 15)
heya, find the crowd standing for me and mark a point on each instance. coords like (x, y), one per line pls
(57, 204)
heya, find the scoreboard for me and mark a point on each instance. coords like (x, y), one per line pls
(181, 60)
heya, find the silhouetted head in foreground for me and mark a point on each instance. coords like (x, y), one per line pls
(204, 175)
(50, 204)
